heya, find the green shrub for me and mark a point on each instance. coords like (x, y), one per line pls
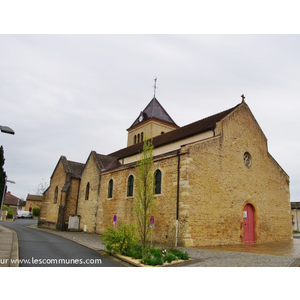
(10, 214)
(36, 211)
(152, 257)
(120, 240)
(136, 251)
(179, 254)
(169, 257)
(4, 207)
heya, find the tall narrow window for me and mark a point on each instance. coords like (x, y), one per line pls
(87, 191)
(157, 178)
(130, 186)
(110, 188)
(142, 136)
(138, 138)
(135, 139)
(55, 195)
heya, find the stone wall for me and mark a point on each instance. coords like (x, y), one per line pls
(49, 210)
(88, 204)
(218, 184)
(218, 176)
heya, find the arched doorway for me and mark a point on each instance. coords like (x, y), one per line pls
(248, 221)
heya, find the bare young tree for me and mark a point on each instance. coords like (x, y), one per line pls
(144, 204)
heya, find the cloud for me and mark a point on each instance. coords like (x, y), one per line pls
(70, 94)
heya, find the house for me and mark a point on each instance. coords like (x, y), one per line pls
(33, 201)
(216, 182)
(295, 206)
(14, 202)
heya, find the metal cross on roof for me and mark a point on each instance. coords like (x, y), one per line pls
(243, 97)
(155, 87)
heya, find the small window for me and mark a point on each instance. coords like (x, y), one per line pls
(130, 186)
(157, 178)
(55, 195)
(247, 159)
(162, 132)
(142, 136)
(138, 138)
(135, 139)
(87, 191)
(110, 189)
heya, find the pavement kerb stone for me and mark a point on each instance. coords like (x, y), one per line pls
(12, 247)
(295, 263)
(14, 255)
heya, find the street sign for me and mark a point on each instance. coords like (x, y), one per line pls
(152, 220)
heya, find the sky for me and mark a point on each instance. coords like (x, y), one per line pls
(71, 94)
(74, 77)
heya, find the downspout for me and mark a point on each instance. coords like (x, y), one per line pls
(178, 190)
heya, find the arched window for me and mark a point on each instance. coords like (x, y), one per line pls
(130, 186)
(157, 178)
(135, 139)
(142, 136)
(55, 195)
(110, 188)
(87, 191)
(138, 138)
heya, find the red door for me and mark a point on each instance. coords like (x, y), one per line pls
(248, 218)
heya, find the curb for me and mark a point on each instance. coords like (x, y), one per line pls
(13, 259)
(14, 254)
(295, 263)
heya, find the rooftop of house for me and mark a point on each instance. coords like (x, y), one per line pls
(10, 199)
(31, 197)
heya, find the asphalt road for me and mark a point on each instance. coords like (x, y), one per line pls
(43, 249)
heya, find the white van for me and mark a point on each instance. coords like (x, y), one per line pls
(24, 214)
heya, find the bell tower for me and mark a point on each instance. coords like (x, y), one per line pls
(152, 121)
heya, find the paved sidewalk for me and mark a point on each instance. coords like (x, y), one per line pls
(267, 255)
(9, 248)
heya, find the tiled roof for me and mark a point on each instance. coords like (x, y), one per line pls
(75, 168)
(107, 162)
(154, 110)
(189, 130)
(10, 199)
(34, 198)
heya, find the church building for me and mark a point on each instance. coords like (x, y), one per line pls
(216, 182)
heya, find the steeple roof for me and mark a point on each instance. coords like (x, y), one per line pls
(154, 110)
(189, 130)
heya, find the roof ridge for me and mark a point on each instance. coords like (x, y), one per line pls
(188, 130)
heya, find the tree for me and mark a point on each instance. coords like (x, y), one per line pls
(2, 173)
(144, 204)
(41, 187)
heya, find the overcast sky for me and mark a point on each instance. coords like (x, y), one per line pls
(71, 94)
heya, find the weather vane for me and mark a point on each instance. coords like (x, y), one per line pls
(155, 87)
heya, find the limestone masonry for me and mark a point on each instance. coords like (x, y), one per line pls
(218, 182)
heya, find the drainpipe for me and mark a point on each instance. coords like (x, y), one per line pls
(178, 190)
